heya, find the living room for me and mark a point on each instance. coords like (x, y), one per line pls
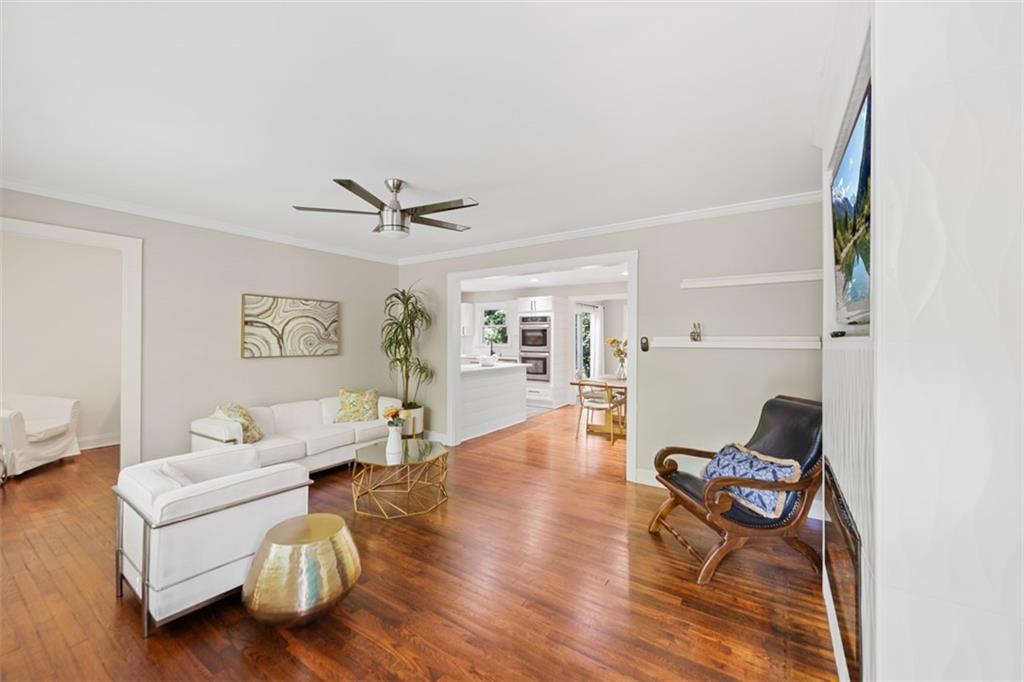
(287, 383)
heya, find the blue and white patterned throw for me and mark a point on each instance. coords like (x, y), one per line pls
(736, 460)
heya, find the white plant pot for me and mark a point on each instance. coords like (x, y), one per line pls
(413, 424)
(394, 444)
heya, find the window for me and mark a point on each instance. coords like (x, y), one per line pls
(495, 326)
(583, 321)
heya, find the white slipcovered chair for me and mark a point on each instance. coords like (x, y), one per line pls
(37, 430)
(188, 526)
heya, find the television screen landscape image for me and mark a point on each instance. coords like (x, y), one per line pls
(851, 222)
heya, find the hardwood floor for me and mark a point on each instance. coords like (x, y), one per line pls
(539, 566)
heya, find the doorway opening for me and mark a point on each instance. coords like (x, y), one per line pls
(114, 414)
(521, 338)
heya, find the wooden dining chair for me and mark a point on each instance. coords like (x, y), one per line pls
(597, 396)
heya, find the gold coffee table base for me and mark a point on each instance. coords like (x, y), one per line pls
(303, 568)
(394, 491)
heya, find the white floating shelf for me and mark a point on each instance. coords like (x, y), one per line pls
(752, 280)
(745, 342)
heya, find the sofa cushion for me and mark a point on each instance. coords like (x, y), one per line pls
(329, 409)
(227, 490)
(357, 405)
(38, 430)
(143, 484)
(251, 432)
(369, 430)
(738, 461)
(264, 418)
(289, 417)
(277, 448)
(215, 464)
(324, 437)
(172, 473)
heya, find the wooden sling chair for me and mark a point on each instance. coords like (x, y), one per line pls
(789, 428)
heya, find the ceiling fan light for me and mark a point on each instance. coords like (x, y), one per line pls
(394, 232)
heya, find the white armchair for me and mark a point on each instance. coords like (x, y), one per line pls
(36, 430)
(189, 525)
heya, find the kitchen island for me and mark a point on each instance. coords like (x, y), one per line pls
(491, 398)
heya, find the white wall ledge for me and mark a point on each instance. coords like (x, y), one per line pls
(754, 279)
(740, 342)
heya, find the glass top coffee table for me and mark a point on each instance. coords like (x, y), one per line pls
(402, 484)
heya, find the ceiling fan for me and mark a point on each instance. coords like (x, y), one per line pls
(393, 220)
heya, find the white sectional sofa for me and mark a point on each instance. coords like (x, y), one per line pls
(303, 432)
(189, 525)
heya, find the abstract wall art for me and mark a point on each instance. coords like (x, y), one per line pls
(281, 327)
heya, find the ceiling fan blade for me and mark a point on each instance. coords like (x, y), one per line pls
(332, 210)
(432, 222)
(441, 206)
(361, 192)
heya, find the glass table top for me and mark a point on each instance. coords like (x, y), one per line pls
(414, 451)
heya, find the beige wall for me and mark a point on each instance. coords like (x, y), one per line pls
(61, 332)
(192, 285)
(614, 326)
(702, 398)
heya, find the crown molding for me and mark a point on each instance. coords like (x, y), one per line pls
(185, 219)
(567, 235)
(639, 224)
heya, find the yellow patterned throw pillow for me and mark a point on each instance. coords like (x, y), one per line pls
(250, 431)
(357, 406)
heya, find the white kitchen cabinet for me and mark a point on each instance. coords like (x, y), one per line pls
(536, 304)
(467, 323)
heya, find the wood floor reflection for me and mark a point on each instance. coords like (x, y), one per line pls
(539, 566)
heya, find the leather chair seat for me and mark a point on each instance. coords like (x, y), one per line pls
(693, 487)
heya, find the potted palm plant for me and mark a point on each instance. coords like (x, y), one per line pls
(405, 318)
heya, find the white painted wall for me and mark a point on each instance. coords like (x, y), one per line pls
(61, 329)
(193, 280)
(948, 197)
(848, 382)
(614, 326)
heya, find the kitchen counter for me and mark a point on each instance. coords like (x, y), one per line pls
(474, 367)
(490, 398)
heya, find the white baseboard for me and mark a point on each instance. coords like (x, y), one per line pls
(648, 477)
(99, 440)
(437, 435)
(838, 652)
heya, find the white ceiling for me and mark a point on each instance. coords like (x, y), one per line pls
(587, 274)
(553, 116)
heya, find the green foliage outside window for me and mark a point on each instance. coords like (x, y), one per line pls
(495, 326)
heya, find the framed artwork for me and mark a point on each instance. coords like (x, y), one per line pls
(282, 327)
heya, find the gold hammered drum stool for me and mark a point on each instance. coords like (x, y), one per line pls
(302, 569)
(406, 483)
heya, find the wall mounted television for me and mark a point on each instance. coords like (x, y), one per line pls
(851, 222)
